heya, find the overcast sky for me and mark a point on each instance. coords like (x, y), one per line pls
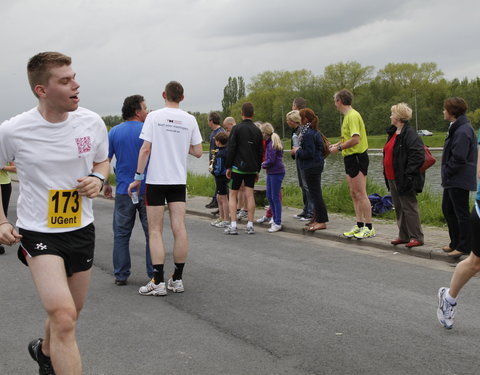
(120, 48)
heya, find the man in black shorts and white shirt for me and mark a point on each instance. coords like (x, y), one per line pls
(60, 151)
(169, 135)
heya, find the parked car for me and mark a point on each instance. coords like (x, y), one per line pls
(424, 132)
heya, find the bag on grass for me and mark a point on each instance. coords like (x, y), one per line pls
(380, 204)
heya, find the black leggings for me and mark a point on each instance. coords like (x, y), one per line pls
(6, 192)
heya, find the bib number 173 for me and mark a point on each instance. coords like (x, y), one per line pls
(64, 209)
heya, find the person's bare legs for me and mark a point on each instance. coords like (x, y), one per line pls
(180, 238)
(464, 271)
(232, 204)
(155, 233)
(358, 192)
(223, 206)
(62, 298)
(250, 200)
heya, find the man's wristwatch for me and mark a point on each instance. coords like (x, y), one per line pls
(100, 177)
(339, 147)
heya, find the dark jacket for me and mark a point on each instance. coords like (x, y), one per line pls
(245, 147)
(219, 163)
(273, 163)
(310, 153)
(408, 157)
(459, 158)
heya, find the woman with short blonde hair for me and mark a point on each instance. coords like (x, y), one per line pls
(403, 156)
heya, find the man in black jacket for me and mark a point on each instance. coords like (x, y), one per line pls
(244, 160)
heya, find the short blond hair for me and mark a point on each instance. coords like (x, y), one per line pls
(402, 111)
(294, 116)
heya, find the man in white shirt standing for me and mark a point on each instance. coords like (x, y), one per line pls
(169, 135)
(60, 151)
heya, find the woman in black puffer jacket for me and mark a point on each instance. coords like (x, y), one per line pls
(403, 155)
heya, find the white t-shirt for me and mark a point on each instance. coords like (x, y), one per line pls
(171, 131)
(51, 157)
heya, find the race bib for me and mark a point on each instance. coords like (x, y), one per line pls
(64, 209)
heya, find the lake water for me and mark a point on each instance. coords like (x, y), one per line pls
(333, 172)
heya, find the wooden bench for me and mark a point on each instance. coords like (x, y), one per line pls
(260, 194)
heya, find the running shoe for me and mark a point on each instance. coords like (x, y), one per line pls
(223, 224)
(365, 233)
(306, 218)
(176, 286)
(215, 222)
(152, 289)
(242, 214)
(231, 230)
(275, 228)
(44, 363)
(299, 216)
(445, 311)
(249, 230)
(263, 219)
(2, 250)
(352, 232)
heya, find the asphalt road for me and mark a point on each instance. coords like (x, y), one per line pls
(262, 304)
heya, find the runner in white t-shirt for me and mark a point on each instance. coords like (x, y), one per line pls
(169, 135)
(60, 151)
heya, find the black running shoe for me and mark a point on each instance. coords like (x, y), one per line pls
(2, 250)
(44, 364)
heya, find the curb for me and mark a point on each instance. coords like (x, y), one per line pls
(425, 251)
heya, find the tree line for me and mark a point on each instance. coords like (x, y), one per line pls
(423, 86)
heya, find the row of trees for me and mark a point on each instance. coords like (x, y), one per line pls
(422, 86)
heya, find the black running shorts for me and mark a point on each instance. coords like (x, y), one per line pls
(76, 248)
(247, 179)
(475, 228)
(221, 183)
(157, 195)
(356, 163)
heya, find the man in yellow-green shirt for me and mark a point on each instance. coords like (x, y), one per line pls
(354, 145)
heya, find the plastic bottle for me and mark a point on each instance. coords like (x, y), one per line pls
(134, 197)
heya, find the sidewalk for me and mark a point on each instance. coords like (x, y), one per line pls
(435, 238)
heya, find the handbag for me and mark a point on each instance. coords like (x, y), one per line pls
(429, 159)
(326, 145)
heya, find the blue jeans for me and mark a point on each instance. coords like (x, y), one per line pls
(123, 222)
(274, 185)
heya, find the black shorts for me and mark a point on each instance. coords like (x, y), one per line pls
(247, 179)
(76, 248)
(157, 195)
(221, 183)
(356, 163)
(475, 228)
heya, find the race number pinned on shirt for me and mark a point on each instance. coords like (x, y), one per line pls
(64, 209)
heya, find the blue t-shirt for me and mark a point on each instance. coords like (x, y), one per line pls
(124, 143)
(211, 138)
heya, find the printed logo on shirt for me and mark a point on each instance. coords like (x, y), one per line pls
(175, 122)
(84, 144)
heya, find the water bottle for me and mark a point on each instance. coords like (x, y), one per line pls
(134, 197)
(295, 140)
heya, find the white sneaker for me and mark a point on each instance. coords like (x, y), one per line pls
(175, 285)
(215, 222)
(151, 289)
(249, 230)
(263, 219)
(271, 222)
(275, 228)
(242, 214)
(223, 224)
(445, 311)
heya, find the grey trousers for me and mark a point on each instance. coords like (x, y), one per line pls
(408, 216)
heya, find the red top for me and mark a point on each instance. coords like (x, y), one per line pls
(388, 158)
